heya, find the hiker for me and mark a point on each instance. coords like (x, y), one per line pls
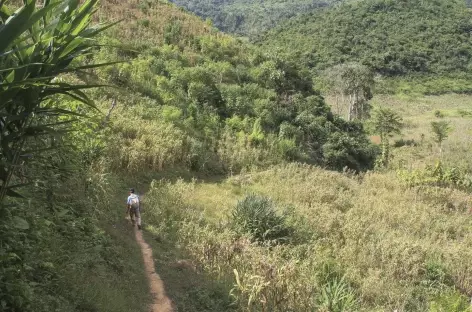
(133, 207)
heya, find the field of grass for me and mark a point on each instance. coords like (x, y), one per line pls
(419, 148)
(397, 248)
(418, 113)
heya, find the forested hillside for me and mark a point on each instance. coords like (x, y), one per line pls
(394, 38)
(224, 105)
(248, 17)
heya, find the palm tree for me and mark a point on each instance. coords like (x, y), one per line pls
(385, 122)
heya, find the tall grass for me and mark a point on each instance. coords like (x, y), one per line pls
(379, 239)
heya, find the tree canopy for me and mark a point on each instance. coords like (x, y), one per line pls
(394, 38)
(249, 17)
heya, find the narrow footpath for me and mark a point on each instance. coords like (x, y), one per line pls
(160, 301)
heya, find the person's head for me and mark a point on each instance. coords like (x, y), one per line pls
(131, 190)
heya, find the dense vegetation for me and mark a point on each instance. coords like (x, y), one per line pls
(222, 104)
(248, 17)
(359, 243)
(50, 241)
(394, 38)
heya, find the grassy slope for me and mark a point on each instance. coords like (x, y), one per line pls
(92, 263)
(335, 206)
(86, 258)
(160, 14)
(108, 288)
(119, 283)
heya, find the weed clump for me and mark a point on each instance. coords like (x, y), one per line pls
(256, 215)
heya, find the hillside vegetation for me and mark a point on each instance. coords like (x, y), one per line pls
(423, 39)
(381, 241)
(248, 17)
(222, 104)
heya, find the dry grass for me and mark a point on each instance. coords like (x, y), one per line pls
(418, 113)
(385, 237)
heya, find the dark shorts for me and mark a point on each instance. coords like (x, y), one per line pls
(134, 212)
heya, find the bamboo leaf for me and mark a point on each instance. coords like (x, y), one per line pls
(12, 193)
(58, 112)
(83, 16)
(18, 185)
(98, 29)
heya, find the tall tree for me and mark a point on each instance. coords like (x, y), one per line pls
(353, 82)
(385, 122)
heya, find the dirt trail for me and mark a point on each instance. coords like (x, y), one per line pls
(160, 301)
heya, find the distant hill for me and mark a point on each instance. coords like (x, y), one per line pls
(250, 17)
(394, 37)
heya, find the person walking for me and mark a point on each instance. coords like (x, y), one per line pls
(133, 208)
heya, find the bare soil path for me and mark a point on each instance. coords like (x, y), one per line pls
(160, 301)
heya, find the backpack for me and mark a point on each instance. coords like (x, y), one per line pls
(134, 201)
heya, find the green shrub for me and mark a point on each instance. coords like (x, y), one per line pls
(451, 302)
(438, 114)
(464, 113)
(436, 175)
(144, 6)
(256, 216)
(337, 296)
(144, 22)
(436, 275)
(343, 150)
(403, 142)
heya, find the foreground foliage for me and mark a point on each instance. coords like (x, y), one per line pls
(39, 268)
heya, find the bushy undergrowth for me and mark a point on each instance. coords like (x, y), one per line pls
(437, 175)
(53, 243)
